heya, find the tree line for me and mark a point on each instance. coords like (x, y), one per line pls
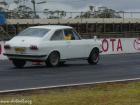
(26, 12)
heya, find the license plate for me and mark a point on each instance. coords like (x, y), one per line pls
(20, 50)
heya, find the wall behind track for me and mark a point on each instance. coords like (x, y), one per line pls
(109, 46)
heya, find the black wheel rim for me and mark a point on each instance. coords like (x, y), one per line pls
(95, 57)
(54, 59)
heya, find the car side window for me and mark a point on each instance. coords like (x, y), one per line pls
(58, 35)
(76, 35)
(69, 34)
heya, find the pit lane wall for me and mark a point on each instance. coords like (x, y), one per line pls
(109, 46)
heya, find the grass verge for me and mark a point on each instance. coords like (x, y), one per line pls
(125, 93)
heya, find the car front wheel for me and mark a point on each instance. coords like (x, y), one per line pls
(19, 63)
(53, 59)
(94, 57)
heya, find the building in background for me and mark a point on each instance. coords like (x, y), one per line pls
(3, 10)
(3, 5)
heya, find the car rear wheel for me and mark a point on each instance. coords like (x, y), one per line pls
(94, 57)
(53, 59)
(19, 63)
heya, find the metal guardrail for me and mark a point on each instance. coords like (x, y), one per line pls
(5, 37)
(111, 35)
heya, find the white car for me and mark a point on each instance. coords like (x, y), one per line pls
(49, 44)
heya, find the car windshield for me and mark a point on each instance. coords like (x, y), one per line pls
(34, 32)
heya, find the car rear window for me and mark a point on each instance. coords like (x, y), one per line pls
(34, 32)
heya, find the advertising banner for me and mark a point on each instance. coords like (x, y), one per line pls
(120, 45)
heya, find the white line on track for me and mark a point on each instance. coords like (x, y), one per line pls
(68, 85)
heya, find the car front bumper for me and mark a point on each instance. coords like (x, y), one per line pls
(26, 57)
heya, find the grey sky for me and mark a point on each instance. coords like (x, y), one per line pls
(82, 5)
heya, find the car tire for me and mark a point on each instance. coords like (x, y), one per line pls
(94, 57)
(53, 59)
(19, 63)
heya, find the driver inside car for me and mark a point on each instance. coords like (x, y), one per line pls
(68, 37)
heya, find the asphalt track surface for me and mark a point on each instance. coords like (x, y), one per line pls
(110, 67)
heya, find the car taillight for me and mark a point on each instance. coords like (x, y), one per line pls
(33, 47)
(7, 47)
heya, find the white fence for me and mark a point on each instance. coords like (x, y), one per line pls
(109, 46)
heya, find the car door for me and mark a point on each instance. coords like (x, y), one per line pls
(75, 46)
(58, 43)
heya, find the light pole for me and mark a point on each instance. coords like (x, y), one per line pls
(34, 7)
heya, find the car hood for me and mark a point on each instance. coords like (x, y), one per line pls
(24, 41)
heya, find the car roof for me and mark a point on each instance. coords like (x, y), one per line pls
(55, 27)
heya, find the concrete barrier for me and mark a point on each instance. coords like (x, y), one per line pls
(109, 46)
(120, 45)
(2, 57)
